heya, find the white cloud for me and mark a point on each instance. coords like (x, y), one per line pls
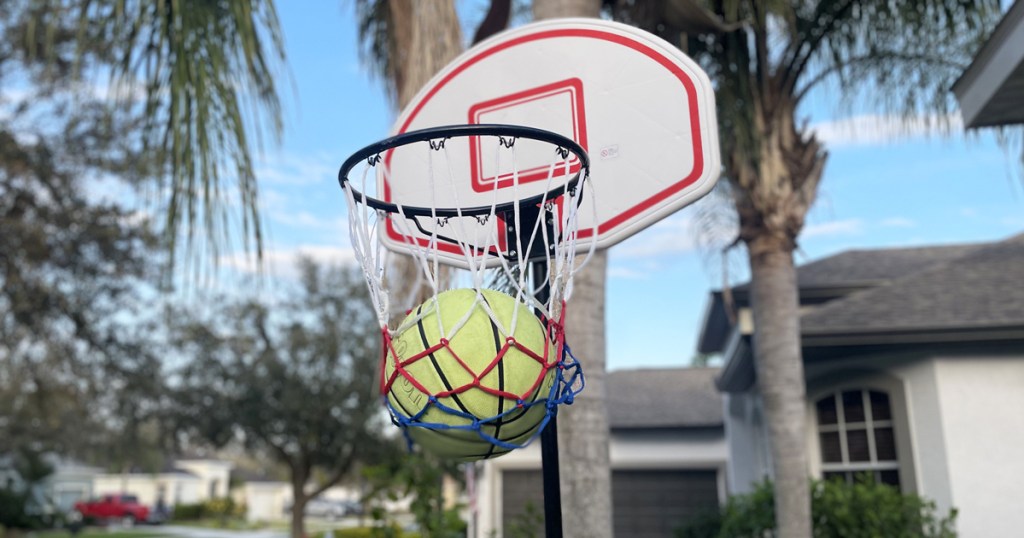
(834, 228)
(292, 169)
(107, 188)
(617, 271)
(282, 262)
(686, 231)
(120, 92)
(875, 130)
(673, 235)
(307, 220)
(898, 222)
(138, 217)
(968, 212)
(1015, 221)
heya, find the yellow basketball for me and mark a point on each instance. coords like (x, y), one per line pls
(471, 341)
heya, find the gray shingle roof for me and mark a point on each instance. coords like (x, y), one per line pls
(664, 398)
(967, 286)
(869, 267)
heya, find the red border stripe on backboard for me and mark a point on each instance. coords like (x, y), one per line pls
(695, 131)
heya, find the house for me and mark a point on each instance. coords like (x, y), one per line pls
(70, 482)
(991, 89)
(914, 370)
(186, 481)
(668, 457)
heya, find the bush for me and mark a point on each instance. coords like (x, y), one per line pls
(869, 509)
(188, 512)
(222, 508)
(861, 510)
(15, 512)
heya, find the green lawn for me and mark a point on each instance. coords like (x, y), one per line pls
(362, 532)
(98, 533)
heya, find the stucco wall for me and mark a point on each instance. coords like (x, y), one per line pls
(749, 459)
(982, 400)
(214, 474)
(963, 422)
(266, 501)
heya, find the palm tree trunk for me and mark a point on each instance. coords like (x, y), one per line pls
(425, 37)
(550, 9)
(583, 432)
(780, 378)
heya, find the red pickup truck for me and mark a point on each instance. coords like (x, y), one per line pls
(124, 508)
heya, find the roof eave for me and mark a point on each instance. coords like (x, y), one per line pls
(995, 75)
(714, 325)
(869, 337)
(738, 372)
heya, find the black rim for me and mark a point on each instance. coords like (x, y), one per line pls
(436, 137)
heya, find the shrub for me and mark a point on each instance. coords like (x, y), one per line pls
(861, 510)
(866, 509)
(188, 512)
(15, 512)
(222, 508)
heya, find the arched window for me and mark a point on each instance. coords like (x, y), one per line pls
(856, 435)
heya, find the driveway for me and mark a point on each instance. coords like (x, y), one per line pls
(198, 532)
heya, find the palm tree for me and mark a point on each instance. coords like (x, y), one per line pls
(583, 432)
(202, 73)
(406, 43)
(765, 57)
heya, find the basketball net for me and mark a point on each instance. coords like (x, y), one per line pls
(521, 243)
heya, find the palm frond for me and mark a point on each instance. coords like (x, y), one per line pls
(900, 57)
(204, 73)
(375, 27)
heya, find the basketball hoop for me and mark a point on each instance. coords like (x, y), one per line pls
(517, 232)
(639, 105)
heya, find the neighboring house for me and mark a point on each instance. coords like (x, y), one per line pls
(914, 365)
(38, 503)
(991, 90)
(668, 457)
(186, 481)
(70, 482)
(266, 500)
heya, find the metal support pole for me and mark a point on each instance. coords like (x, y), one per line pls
(549, 441)
(538, 267)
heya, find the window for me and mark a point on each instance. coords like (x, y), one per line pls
(856, 435)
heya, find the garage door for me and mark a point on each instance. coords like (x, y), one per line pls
(648, 503)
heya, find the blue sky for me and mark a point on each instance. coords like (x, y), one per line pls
(880, 190)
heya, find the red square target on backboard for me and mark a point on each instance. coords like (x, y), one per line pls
(556, 107)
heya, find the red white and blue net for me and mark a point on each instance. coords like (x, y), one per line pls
(522, 242)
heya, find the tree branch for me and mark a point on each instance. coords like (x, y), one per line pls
(875, 56)
(799, 60)
(495, 21)
(339, 473)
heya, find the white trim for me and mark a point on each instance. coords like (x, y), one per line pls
(992, 67)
